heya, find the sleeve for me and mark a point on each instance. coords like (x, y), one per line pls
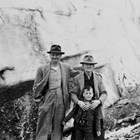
(73, 86)
(38, 79)
(73, 72)
(97, 120)
(71, 114)
(101, 84)
(102, 90)
(73, 89)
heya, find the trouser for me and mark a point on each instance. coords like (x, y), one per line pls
(51, 116)
(82, 132)
(95, 137)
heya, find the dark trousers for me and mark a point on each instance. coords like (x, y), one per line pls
(78, 135)
(82, 132)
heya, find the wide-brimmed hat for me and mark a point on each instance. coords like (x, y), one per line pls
(88, 59)
(55, 49)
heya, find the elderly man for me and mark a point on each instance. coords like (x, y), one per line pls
(89, 78)
(51, 92)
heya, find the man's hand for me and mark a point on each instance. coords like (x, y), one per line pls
(83, 105)
(94, 104)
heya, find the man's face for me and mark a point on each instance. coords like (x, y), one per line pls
(88, 67)
(88, 94)
(55, 57)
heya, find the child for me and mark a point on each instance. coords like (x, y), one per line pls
(85, 121)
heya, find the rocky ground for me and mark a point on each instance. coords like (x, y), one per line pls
(122, 120)
(18, 118)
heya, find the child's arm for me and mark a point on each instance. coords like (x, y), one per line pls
(70, 115)
(97, 121)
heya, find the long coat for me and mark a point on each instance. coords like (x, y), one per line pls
(40, 86)
(47, 100)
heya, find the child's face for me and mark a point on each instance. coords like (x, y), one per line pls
(88, 94)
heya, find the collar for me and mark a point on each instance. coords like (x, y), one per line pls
(55, 68)
(88, 76)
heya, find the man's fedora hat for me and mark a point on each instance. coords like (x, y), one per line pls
(55, 49)
(88, 59)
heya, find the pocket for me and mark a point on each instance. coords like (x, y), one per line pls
(49, 96)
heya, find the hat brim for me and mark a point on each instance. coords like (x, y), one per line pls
(92, 63)
(56, 52)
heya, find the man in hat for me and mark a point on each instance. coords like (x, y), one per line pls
(51, 93)
(89, 78)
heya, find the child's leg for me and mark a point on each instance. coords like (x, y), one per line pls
(88, 133)
(77, 133)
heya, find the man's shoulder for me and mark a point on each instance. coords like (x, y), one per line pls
(65, 64)
(42, 67)
(80, 75)
(98, 75)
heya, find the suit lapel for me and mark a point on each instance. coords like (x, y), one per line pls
(81, 81)
(63, 74)
(47, 70)
(95, 83)
(42, 84)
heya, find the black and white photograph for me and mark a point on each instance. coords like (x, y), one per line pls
(69, 70)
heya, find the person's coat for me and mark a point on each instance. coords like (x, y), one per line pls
(40, 86)
(76, 87)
